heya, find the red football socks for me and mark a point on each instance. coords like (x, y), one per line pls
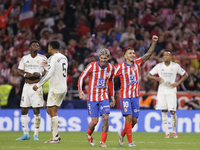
(104, 136)
(89, 132)
(128, 127)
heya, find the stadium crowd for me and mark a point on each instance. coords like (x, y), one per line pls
(83, 27)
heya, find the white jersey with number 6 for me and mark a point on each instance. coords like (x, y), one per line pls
(56, 73)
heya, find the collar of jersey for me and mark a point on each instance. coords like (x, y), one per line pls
(100, 65)
(128, 64)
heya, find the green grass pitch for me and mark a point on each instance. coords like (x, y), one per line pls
(78, 141)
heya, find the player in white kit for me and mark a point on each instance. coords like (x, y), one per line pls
(166, 96)
(57, 76)
(32, 67)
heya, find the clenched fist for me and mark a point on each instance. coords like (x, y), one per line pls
(155, 38)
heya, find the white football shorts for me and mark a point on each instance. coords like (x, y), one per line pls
(166, 101)
(30, 97)
(55, 99)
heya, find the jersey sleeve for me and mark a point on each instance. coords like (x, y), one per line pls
(82, 77)
(154, 70)
(21, 64)
(49, 73)
(117, 71)
(139, 61)
(111, 83)
(180, 70)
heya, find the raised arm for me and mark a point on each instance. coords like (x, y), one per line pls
(151, 49)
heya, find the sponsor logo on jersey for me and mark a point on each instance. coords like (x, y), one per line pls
(38, 61)
(132, 77)
(27, 61)
(100, 83)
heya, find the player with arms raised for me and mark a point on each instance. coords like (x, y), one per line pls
(129, 74)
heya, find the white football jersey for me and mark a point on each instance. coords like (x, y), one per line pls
(31, 65)
(56, 73)
(168, 74)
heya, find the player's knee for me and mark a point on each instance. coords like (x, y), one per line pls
(94, 122)
(134, 121)
(172, 112)
(24, 111)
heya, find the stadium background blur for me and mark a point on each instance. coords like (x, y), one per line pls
(83, 27)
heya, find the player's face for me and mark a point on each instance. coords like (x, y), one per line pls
(129, 55)
(49, 49)
(103, 59)
(167, 56)
(35, 47)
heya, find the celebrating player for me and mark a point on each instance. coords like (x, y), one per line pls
(31, 67)
(129, 74)
(57, 76)
(166, 97)
(100, 80)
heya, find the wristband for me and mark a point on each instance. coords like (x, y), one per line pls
(24, 74)
(40, 74)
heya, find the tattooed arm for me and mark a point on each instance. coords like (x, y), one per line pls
(151, 49)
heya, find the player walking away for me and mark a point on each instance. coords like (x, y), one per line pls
(57, 76)
(129, 74)
(100, 80)
(166, 97)
(32, 67)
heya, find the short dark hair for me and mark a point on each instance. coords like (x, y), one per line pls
(128, 48)
(34, 41)
(54, 44)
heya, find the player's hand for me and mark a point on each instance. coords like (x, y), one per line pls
(44, 63)
(112, 103)
(36, 74)
(174, 85)
(155, 38)
(160, 80)
(35, 87)
(81, 95)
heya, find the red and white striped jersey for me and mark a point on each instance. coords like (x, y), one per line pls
(129, 78)
(100, 80)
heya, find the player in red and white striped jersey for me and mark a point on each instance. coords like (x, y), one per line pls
(129, 74)
(101, 76)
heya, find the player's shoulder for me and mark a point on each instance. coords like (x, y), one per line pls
(26, 56)
(174, 64)
(42, 56)
(111, 65)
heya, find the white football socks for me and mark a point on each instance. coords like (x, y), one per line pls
(54, 123)
(174, 121)
(165, 122)
(25, 120)
(37, 123)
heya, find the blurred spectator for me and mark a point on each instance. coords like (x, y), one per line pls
(4, 93)
(4, 15)
(5, 71)
(99, 15)
(129, 34)
(14, 79)
(82, 30)
(194, 103)
(148, 20)
(190, 84)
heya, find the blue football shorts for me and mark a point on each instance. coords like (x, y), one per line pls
(98, 108)
(130, 106)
